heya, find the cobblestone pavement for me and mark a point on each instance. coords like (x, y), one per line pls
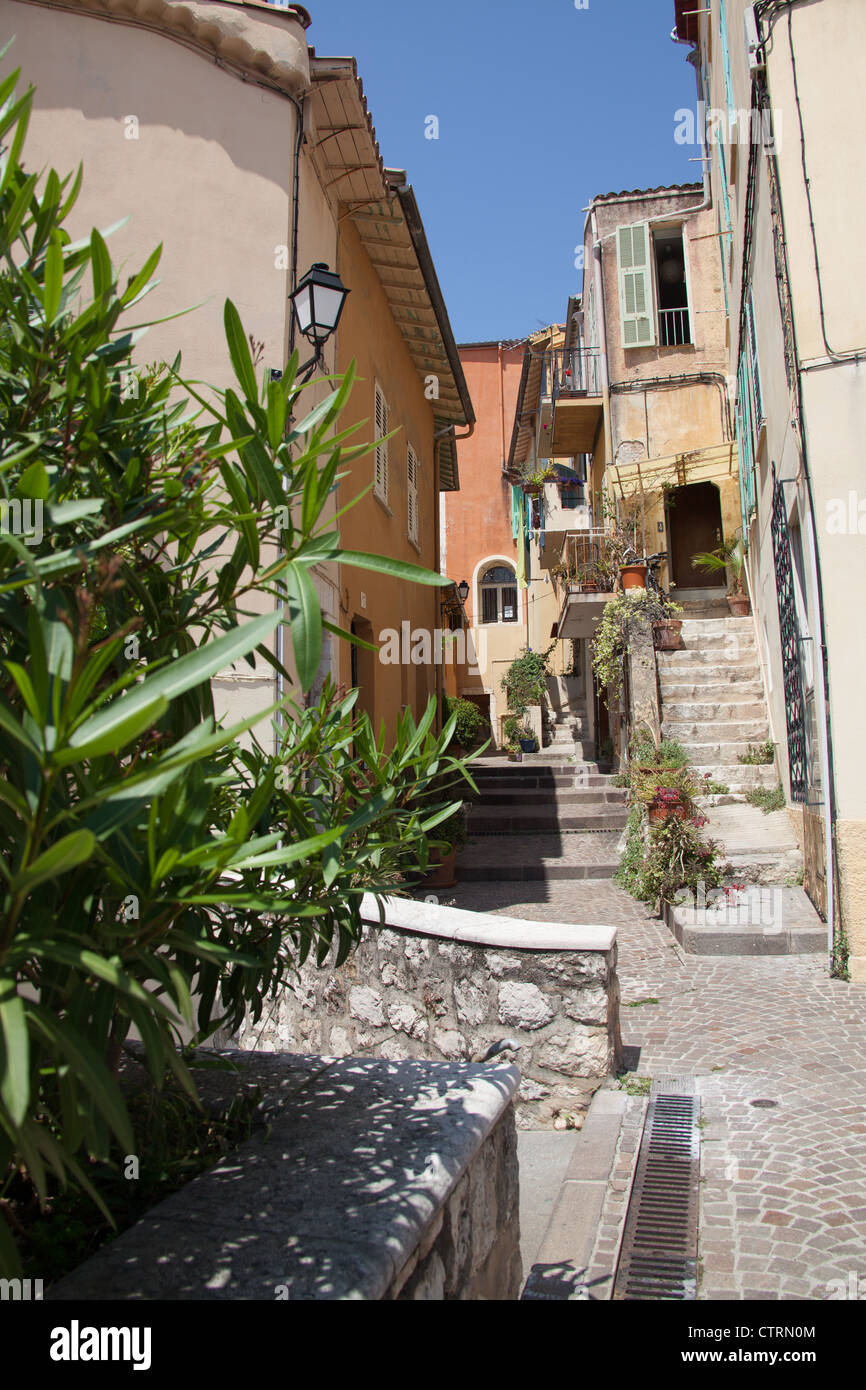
(783, 1186)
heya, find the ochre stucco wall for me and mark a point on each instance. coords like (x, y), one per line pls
(369, 334)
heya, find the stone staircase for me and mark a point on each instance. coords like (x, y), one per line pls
(712, 697)
(568, 818)
(713, 703)
(566, 724)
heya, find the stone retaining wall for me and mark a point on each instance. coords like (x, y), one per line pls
(372, 1180)
(447, 984)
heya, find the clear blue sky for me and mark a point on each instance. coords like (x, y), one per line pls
(540, 106)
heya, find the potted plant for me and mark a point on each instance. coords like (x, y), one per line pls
(450, 835)
(513, 753)
(527, 740)
(633, 575)
(729, 557)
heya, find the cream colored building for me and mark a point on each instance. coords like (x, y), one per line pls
(216, 130)
(784, 119)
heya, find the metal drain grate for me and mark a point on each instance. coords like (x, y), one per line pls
(658, 1258)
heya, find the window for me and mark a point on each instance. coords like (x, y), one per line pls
(635, 285)
(380, 481)
(670, 261)
(498, 595)
(412, 493)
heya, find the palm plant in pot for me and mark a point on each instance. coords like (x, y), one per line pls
(729, 558)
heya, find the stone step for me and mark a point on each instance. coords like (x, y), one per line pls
(577, 795)
(744, 731)
(697, 659)
(771, 922)
(712, 627)
(690, 710)
(530, 767)
(776, 867)
(510, 820)
(708, 690)
(740, 777)
(540, 858)
(724, 752)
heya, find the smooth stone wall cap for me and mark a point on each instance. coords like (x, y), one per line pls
(485, 928)
(329, 1203)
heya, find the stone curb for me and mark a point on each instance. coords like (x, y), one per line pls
(485, 928)
(561, 1269)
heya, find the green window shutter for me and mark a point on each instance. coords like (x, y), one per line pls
(637, 318)
(745, 442)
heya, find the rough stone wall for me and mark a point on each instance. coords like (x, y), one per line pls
(472, 1248)
(403, 995)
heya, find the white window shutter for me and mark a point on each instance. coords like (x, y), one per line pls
(412, 492)
(635, 286)
(381, 474)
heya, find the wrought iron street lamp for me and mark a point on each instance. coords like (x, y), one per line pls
(318, 303)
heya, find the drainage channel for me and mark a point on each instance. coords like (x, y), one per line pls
(658, 1257)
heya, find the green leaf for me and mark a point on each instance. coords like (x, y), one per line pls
(239, 352)
(94, 1075)
(113, 739)
(306, 623)
(14, 1052)
(100, 265)
(66, 854)
(53, 284)
(398, 569)
(186, 673)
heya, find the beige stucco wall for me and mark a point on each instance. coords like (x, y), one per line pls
(209, 174)
(828, 41)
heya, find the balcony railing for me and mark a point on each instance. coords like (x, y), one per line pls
(674, 327)
(588, 563)
(571, 372)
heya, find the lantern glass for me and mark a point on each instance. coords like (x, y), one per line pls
(318, 302)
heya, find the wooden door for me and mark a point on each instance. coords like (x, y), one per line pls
(694, 524)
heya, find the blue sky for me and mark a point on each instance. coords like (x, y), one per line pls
(540, 107)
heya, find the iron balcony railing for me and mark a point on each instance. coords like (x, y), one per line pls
(674, 327)
(571, 372)
(588, 562)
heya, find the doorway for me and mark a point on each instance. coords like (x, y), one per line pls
(694, 520)
(363, 667)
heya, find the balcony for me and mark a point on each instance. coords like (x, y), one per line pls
(584, 579)
(570, 405)
(674, 328)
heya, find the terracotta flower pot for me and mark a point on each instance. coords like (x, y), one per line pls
(666, 635)
(442, 873)
(740, 607)
(633, 576)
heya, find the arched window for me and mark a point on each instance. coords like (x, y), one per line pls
(498, 587)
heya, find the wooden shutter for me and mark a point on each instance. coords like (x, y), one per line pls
(635, 286)
(381, 474)
(412, 493)
(489, 605)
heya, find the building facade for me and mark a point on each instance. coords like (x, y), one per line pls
(780, 102)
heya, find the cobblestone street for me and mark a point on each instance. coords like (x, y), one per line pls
(783, 1190)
